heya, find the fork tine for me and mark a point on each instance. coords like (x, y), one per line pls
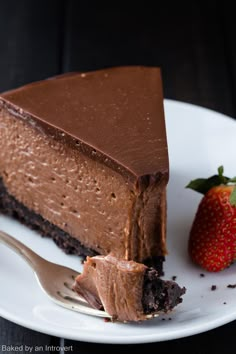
(79, 306)
(69, 286)
(75, 299)
(69, 293)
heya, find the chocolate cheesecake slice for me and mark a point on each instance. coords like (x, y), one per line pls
(84, 160)
(126, 290)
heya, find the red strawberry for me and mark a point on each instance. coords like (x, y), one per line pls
(212, 241)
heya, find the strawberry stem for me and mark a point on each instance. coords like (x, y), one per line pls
(220, 171)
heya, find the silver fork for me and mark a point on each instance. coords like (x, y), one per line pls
(55, 280)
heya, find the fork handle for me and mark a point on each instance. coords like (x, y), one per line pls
(30, 256)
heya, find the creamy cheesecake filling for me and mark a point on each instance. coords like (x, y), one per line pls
(149, 226)
(68, 189)
(81, 196)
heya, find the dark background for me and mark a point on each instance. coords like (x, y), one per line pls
(196, 48)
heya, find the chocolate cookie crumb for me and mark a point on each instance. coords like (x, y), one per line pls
(169, 318)
(202, 275)
(107, 319)
(224, 303)
(231, 286)
(213, 287)
(174, 277)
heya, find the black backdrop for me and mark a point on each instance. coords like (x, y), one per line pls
(195, 47)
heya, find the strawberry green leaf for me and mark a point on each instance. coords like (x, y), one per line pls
(198, 185)
(232, 198)
(203, 185)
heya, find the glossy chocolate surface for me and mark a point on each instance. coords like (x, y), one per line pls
(116, 114)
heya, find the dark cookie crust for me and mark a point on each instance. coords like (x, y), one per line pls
(160, 295)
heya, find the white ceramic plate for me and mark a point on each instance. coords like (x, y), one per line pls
(199, 141)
